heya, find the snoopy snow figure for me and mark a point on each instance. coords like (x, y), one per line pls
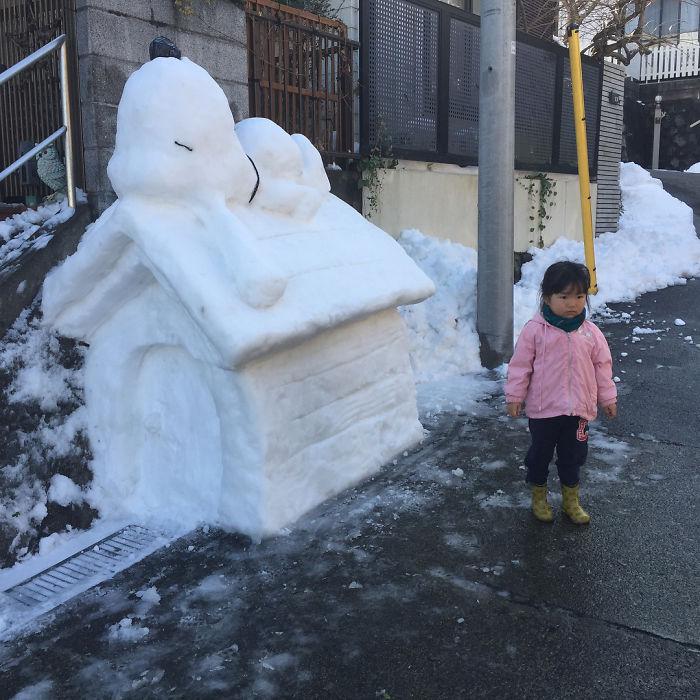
(228, 334)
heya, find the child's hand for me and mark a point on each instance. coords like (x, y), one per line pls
(514, 409)
(610, 410)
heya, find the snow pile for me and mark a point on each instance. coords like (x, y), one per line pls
(126, 631)
(44, 419)
(64, 491)
(442, 330)
(246, 359)
(695, 168)
(656, 246)
(30, 351)
(17, 233)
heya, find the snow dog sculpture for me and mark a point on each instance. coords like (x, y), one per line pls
(246, 359)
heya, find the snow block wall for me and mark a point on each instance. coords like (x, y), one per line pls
(246, 359)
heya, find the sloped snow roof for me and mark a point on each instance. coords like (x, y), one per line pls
(253, 276)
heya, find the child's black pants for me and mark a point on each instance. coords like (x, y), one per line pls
(569, 435)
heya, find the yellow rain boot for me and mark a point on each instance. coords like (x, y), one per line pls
(540, 508)
(572, 507)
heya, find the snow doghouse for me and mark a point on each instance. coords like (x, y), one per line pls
(246, 359)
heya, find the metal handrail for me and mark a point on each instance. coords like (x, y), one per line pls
(58, 44)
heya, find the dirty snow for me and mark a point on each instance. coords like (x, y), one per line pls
(18, 232)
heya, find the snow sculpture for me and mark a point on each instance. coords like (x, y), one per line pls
(246, 359)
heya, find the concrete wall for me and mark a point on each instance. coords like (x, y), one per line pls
(441, 200)
(113, 38)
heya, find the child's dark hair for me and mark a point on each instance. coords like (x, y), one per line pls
(561, 276)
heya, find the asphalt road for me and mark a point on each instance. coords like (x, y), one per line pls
(423, 583)
(683, 186)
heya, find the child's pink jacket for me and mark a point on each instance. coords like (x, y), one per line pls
(561, 374)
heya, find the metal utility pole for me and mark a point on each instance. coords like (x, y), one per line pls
(658, 116)
(494, 308)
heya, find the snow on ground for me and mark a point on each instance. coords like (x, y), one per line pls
(695, 168)
(656, 246)
(30, 360)
(442, 330)
(18, 233)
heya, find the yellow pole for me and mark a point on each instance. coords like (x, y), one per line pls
(582, 151)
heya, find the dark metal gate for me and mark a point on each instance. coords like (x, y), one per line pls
(300, 74)
(30, 104)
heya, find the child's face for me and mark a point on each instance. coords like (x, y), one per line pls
(567, 303)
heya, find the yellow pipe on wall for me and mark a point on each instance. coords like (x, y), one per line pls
(582, 152)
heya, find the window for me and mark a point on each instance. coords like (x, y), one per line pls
(671, 18)
(690, 17)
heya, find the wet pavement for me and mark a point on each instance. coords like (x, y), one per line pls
(430, 580)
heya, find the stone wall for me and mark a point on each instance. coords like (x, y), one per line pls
(113, 38)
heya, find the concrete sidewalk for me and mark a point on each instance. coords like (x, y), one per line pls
(423, 583)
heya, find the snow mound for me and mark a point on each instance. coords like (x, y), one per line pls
(17, 233)
(656, 246)
(695, 168)
(442, 330)
(43, 451)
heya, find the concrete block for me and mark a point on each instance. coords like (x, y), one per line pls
(209, 17)
(99, 125)
(102, 78)
(222, 58)
(117, 36)
(223, 53)
(237, 94)
(101, 201)
(95, 162)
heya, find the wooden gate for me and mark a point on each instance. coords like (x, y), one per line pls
(30, 103)
(300, 68)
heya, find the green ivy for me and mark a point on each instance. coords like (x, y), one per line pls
(380, 158)
(540, 209)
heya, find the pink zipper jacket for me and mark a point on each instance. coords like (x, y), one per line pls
(561, 374)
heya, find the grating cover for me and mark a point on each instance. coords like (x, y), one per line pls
(591, 95)
(535, 87)
(463, 125)
(89, 566)
(403, 74)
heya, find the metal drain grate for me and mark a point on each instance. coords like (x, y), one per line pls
(98, 561)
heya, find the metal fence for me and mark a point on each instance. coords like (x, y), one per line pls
(420, 84)
(300, 74)
(30, 104)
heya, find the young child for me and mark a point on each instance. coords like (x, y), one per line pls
(561, 369)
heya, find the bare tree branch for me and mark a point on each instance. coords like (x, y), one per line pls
(609, 28)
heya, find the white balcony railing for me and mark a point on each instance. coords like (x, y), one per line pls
(676, 61)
